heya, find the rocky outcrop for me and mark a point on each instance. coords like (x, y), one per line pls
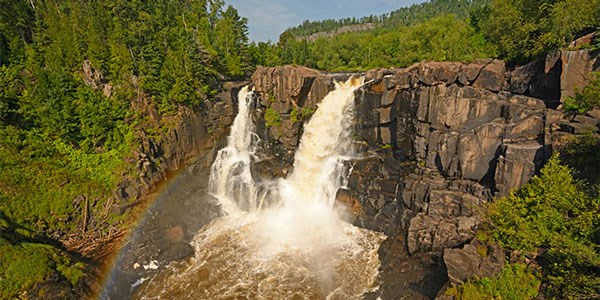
(474, 259)
(576, 68)
(437, 141)
(539, 79)
(557, 76)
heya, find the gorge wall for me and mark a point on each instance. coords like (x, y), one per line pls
(436, 141)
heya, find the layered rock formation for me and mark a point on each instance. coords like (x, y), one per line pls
(436, 140)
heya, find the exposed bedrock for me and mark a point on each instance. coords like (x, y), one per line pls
(436, 141)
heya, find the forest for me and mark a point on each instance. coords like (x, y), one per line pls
(64, 137)
(404, 16)
(458, 30)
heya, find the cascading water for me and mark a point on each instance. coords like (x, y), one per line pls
(230, 177)
(299, 248)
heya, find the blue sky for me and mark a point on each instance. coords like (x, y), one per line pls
(268, 18)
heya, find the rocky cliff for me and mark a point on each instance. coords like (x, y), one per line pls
(436, 141)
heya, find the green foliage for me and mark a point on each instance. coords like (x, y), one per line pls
(515, 282)
(41, 176)
(523, 30)
(264, 54)
(272, 117)
(583, 155)
(553, 213)
(295, 115)
(402, 46)
(586, 99)
(25, 264)
(9, 94)
(406, 16)
(303, 115)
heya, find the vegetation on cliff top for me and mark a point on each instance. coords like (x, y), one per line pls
(405, 16)
(67, 132)
(514, 30)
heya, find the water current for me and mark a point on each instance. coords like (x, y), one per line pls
(282, 239)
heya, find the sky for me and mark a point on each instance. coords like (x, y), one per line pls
(268, 18)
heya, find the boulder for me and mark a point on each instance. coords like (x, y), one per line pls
(434, 73)
(516, 165)
(435, 233)
(476, 259)
(576, 68)
(491, 76)
(470, 72)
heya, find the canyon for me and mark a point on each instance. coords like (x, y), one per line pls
(435, 142)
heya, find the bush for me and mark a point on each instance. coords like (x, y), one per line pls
(587, 98)
(553, 215)
(515, 282)
(272, 117)
(303, 115)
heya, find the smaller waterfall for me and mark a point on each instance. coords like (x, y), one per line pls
(230, 177)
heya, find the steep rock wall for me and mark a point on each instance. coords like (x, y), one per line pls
(437, 140)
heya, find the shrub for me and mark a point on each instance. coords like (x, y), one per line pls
(515, 282)
(553, 215)
(587, 98)
(272, 117)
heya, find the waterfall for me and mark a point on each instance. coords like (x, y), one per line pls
(298, 249)
(325, 144)
(230, 177)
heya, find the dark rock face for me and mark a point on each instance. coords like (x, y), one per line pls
(437, 141)
(539, 79)
(474, 259)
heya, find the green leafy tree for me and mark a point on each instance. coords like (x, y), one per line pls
(554, 214)
(524, 29)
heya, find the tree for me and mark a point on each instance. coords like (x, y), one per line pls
(523, 29)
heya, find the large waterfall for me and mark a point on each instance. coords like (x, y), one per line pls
(296, 247)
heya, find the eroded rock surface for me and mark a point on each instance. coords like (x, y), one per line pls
(437, 140)
(474, 259)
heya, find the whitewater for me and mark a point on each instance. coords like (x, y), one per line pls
(282, 239)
